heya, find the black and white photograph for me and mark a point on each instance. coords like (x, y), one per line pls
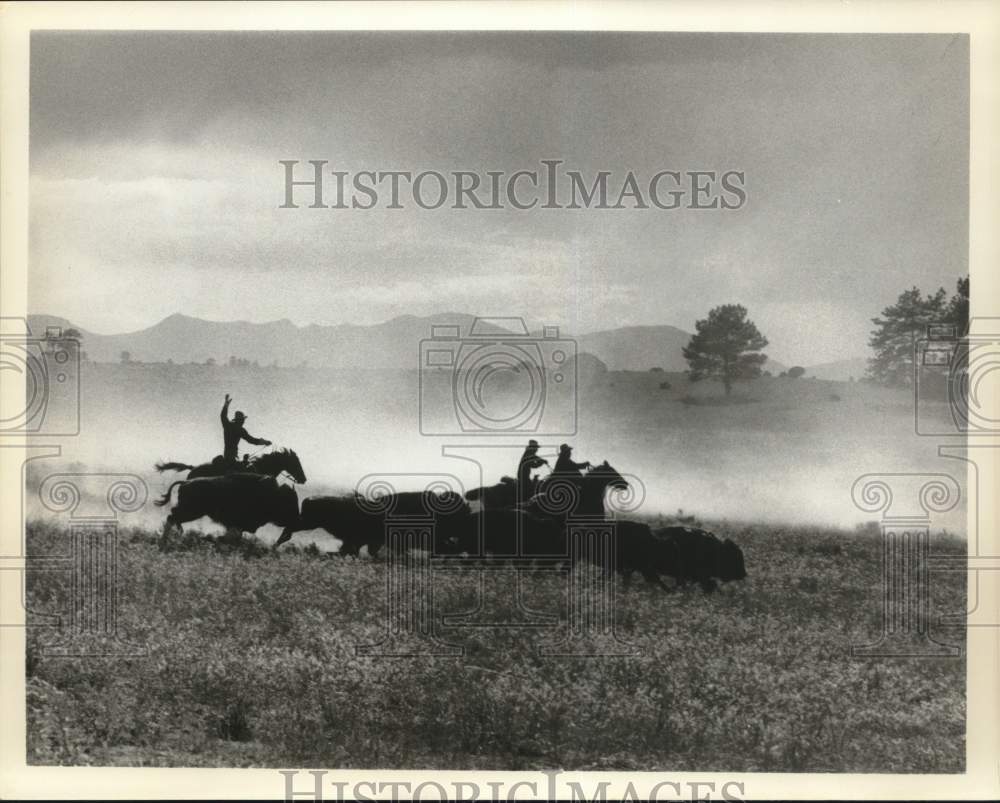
(537, 401)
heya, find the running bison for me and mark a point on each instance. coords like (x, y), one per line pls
(639, 551)
(503, 534)
(700, 556)
(359, 521)
(239, 502)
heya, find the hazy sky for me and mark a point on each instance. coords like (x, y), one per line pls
(156, 186)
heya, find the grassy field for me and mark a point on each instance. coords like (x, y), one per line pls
(251, 662)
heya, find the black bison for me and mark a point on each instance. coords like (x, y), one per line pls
(358, 521)
(501, 495)
(547, 541)
(639, 551)
(700, 556)
(494, 532)
(239, 502)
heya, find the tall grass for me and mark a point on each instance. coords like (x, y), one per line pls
(251, 662)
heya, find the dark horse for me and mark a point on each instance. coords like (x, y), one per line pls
(239, 502)
(559, 496)
(271, 464)
(555, 495)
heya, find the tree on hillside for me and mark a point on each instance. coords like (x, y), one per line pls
(958, 307)
(725, 346)
(796, 371)
(904, 322)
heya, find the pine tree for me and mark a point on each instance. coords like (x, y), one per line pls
(958, 307)
(896, 332)
(725, 346)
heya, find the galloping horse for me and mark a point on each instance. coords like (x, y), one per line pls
(271, 464)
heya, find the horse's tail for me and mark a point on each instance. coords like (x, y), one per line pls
(161, 467)
(166, 497)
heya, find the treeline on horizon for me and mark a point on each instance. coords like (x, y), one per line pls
(728, 347)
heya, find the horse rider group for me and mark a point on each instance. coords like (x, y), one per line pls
(565, 467)
(233, 432)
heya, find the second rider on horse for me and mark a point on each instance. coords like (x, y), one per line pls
(566, 466)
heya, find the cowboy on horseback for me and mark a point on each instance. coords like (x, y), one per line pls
(529, 461)
(566, 466)
(233, 432)
(272, 464)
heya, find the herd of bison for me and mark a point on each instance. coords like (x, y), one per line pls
(546, 529)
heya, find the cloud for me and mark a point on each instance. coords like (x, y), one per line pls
(155, 179)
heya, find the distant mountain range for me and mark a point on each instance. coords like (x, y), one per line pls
(840, 370)
(393, 344)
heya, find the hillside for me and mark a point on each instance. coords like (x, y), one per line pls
(182, 338)
(638, 348)
(392, 344)
(840, 370)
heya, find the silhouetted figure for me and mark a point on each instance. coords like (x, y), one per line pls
(233, 432)
(529, 461)
(565, 465)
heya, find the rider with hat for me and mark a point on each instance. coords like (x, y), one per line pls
(565, 465)
(233, 432)
(529, 460)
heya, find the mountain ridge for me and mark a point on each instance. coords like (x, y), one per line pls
(390, 344)
(840, 370)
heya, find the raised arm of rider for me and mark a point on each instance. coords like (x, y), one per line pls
(224, 415)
